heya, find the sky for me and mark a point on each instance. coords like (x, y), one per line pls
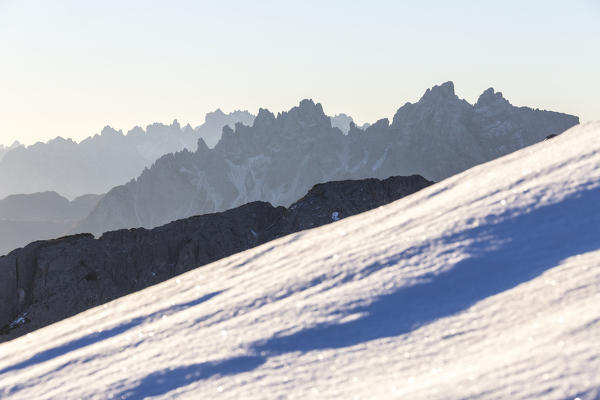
(69, 68)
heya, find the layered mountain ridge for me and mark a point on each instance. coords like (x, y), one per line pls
(102, 161)
(279, 158)
(210, 130)
(343, 122)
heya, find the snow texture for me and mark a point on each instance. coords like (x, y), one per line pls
(485, 285)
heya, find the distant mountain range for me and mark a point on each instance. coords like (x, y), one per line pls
(25, 218)
(102, 161)
(28, 217)
(5, 149)
(279, 158)
(343, 122)
(110, 158)
(213, 125)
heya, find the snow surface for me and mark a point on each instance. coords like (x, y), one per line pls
(486, 285)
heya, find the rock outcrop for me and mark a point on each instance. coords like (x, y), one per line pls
(51, 280)
(280, 157)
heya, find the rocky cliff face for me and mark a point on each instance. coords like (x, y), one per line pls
(51, 280)
(280, 157)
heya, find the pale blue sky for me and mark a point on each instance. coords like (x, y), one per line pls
(70, 67)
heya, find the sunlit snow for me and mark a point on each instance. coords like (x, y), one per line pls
(486, 285)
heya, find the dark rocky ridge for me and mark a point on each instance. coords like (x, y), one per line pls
(50, 280)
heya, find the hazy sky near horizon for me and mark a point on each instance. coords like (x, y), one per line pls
(71, 67)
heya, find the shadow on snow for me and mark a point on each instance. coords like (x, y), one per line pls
(96, 337)
(161, 382)
(521, 248)
(527, 245)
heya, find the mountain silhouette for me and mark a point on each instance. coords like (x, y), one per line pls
(102, 161)
(279, 158)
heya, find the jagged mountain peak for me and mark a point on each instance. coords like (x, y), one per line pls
(110, 131)
(445, 90)
(438, 99)
(58, 141)
(214, 116)
(307, 121)
(218, 111)
(265, 118)
(211, 130)
(309, 110)
(308, 115)
(343, 122)
(309, 104)
(136, 131)
(202, 146)
(228, 132)
(489, 97)
(383, 123)
(353, 130)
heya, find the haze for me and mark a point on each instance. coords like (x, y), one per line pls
(71, 69)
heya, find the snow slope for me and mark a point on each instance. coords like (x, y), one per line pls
(486, 285)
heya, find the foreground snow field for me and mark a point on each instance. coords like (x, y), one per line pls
(486, 285)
